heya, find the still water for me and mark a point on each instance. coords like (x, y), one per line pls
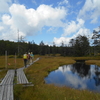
(78, 76)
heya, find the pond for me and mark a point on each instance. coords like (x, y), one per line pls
(78, 76)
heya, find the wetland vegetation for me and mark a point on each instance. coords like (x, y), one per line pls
(39, 70)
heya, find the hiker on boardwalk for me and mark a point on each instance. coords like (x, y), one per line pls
(25, 57)
(31, 57)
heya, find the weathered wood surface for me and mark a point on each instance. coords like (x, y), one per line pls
(6, 86)
(8, 79)
(21, 78)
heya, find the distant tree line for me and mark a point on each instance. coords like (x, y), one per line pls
(79, 46)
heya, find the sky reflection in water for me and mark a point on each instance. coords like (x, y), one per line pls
(78, 76)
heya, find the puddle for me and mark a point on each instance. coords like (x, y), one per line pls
(78, 76)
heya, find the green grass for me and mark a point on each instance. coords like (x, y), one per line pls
(41, 91)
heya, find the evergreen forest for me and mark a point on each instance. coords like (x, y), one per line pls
(79, 46)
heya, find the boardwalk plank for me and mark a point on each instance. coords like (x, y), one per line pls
(8, 94)
(6, 86)
(2, 93)
(5, 92)
(11, 93)
(21, 77)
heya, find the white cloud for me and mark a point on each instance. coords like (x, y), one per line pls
(1, 28)
(6, 19)
(58, 41)
(81, 31)
(78, 3)
(51, 16)
(4, 5)
(73, 27)
(63, 2)
(52, 30)
(30, 21)
(36, 19)
(97, 29)
(34, 2)
(90, 10)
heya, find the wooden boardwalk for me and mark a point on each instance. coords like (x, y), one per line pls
(6, 86)
(21, 78)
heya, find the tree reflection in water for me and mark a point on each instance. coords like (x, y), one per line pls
(97, 77)
(78, 75)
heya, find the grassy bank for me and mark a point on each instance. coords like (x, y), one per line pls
(41, 91)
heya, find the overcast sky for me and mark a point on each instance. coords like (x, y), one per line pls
(48, 20)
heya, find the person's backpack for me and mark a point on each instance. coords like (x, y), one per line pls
(31, 55)
(25, 56)
(28, 56)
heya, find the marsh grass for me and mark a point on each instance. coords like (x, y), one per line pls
(36, 74)
(10, 63)
(41, 91)
(96, 62)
